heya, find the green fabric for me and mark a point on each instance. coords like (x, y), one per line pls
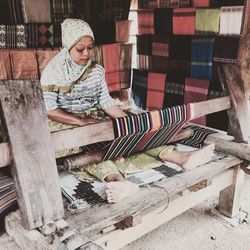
(207, 21)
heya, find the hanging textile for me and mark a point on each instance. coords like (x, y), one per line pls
(147, 4)
(200, 3)
(16, 13)
(207, 21)
(230, 20)
(139, 87)
(184, 21)
(40, 35)
(145, 22)
(102, 37)
(180, 48)
(24, 64)
(219, 3)
(144, 62)
(120, 9)
(98, 54)
(155, 90)
(160, 53)
(122, 30)
(136, 133)
(5, 69)
(196, 90)
(81, 9)
(57, 35)
(12, 36)
(174, 3)
(163, 20)
(44, 56)
(111, 60)
(5, 17)
(144, 44)
(125, 64)
(60, 10)
(226, 49)
(36, 11)
(202, 57)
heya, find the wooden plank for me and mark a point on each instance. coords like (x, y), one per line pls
(240, 150)
(34, 170)
(119, 238)
(70, 138)
(229, 199)
(239, 116)
(109, 214)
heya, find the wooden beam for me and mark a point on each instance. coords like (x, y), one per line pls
(74, 162)
(229, 199)
(70, 138)
(109, 214)
(236, 149)
(239, 115)
(34, 168)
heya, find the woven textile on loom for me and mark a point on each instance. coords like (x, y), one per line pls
(207, 21)
(196, 90)
(136, 133)
(8, 201)
(111, 61)
(155, 90)
(230, 20)
(202, 58)
(184, 21)
(163, 20)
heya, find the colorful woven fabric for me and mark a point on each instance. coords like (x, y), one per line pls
(184, 21)
(207, 21)
(196, 90)
(230, 20)
(60, 10)
(226, 49)
(144, 44)
(44, 56)
(12, 36)
(8, 200)
(148, 4)
(36, 11)
(200, 3)
(136, 133)
(40, 35)
(155, 90)
(199, 136)
(111, 60)
(139, 87)
(24, 64)
(163, 21)
(145, 22)
(202, 57)
(180, 48)
(122, 30)
(144, 62)
(174, 3)
(5, 68)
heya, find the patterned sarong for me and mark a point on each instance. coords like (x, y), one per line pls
(136, 133)
(145, 22)
(122, 30)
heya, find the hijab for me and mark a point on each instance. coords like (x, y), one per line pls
(62, 70)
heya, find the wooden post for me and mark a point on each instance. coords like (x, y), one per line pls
(34, 169)
(229, 202)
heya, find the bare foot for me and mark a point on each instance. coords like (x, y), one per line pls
(198, 157)
(118, 190)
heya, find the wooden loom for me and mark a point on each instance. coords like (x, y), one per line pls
(42, 223)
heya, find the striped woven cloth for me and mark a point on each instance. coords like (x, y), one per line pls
(174, 3)
(136, 133)
(145, 22)
(60, 10)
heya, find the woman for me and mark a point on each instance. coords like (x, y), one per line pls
(72, 84)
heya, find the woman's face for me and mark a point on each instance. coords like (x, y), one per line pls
(82, 51)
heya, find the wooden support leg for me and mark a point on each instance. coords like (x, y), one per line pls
(229, 200)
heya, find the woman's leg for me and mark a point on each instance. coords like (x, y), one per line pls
(189, 159)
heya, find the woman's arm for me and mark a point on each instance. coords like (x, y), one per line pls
(115, 112)
(59, 115)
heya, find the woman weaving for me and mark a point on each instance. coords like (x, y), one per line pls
(73, 85)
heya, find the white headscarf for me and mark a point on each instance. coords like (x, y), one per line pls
(62, 70)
